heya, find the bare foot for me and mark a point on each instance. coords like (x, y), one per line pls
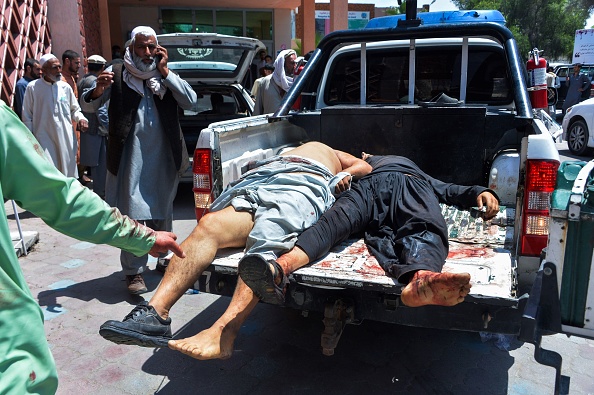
(213, 343)
(430, 288)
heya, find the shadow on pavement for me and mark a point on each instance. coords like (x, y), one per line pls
(278, 351)
(109, 290)
(22, 215)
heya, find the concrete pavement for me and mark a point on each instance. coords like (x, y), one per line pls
(79, 286)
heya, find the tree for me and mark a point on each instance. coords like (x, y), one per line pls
(543, 24)
(400, 9)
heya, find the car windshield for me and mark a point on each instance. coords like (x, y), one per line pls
(215, 59)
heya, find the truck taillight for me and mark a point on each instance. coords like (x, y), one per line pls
(202, 169)
(541, 176)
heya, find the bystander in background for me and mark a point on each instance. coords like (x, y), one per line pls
(49, 109)
(146, 151)
(264, 72)
(93, 142)
(272, 88)
(32, 72)
(576, 84)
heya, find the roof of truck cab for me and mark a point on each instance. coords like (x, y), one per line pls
(423, 42)
(441, 17)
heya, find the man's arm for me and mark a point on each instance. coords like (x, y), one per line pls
(76, 113)
(100, 89)
(585, 82)
(67, 206)
(466, 196)
(356, 167)
(182, 91)
(353, 165)
(103, 117)
(19, 94)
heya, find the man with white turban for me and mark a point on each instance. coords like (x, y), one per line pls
(272, 88)
(49, 108)
(146, 151)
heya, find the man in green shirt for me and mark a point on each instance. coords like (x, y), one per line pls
(26, 364)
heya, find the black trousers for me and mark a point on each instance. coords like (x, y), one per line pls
(401, 220)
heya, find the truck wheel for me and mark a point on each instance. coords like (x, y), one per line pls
(577, 139)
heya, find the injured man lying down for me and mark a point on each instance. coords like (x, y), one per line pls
(265, 210)
(396, 206)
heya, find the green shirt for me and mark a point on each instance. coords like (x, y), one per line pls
(26, 364)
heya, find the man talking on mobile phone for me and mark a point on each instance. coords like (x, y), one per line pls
(146, 151)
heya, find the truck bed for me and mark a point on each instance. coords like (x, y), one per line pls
(478, 247)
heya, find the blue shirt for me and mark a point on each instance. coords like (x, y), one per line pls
(19, 93)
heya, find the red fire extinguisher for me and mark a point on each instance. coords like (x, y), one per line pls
(298, 68)
(537, 79)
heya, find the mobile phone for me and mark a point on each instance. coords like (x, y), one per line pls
(475, 212)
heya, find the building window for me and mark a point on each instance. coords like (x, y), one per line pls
(258, 24)
(177, 21)
(229, 23)
(255, 24)
(204, 21)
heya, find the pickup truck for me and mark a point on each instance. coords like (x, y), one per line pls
(447, 90)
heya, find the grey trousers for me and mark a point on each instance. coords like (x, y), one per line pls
(132, 264)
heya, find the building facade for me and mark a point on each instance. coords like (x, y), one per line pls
(24, 33)
(92, 27)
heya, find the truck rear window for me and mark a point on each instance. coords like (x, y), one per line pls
(437, 71)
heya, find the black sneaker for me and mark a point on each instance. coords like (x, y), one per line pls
(142, 327)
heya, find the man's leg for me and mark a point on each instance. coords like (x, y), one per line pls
(420, 248)
(349, 214)
(222, 229)
(430, 288)
(275, 226)
(217, 341)
(99, 172)
(133, 266)
(148, 324)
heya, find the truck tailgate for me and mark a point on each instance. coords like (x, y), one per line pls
(476, 247)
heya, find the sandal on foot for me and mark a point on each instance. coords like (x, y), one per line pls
(256, 273)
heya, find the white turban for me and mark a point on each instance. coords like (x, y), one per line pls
(278, 75)
(144, 30)
(133, 76)
(45, 58)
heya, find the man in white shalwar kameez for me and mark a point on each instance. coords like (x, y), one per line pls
(146, 151)
(49, 108)
(273, 87)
